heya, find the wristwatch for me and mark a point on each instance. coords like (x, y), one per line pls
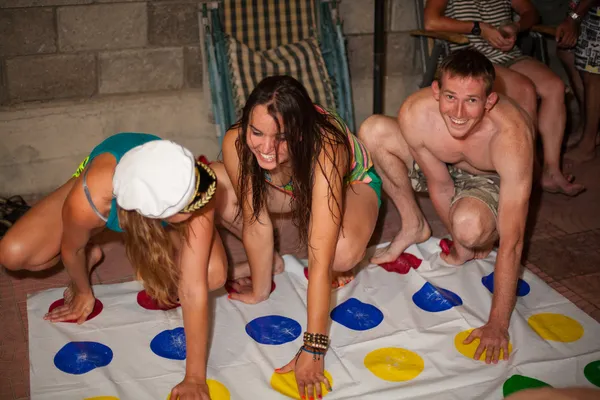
(476, 28)
(574, 16)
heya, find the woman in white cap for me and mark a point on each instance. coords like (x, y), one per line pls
(288, 155)
(155, 192)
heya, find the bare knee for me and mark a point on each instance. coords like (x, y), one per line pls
(217, 275)
(553, 88)
(374, 131)
(12, 254)
(469, 225)
(347, 255)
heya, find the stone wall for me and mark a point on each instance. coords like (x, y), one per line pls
(57, 49)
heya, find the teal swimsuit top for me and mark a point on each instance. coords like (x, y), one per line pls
(117, 145)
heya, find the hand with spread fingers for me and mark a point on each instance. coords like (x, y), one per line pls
(493, 338)
(77, 307)
(309, 368)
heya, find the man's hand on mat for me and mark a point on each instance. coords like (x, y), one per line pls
(493, 338)
(78, 307)
(190, 389)
(309, 375)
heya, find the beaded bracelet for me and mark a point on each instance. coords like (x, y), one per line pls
(316, 340)
(316, 354)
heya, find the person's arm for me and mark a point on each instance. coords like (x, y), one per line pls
(193, 296)
(567, 32)
(513, 162)
(528, 15)
(257, 235)
(78, 222)
(325, 222)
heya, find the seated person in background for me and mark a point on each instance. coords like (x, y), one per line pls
(164, 202)
(488, 25)
(586, 39)
(472, 150)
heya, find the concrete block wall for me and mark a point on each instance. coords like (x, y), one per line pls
(73, 72)
(57, 49)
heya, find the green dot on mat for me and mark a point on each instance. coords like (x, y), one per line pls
(592, 372)
(519, 382)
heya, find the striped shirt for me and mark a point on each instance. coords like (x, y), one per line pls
(493, 12)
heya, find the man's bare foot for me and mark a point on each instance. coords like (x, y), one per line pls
(342, 278)
(460, 255)
(556, 182)
(401, 242)
(242, 270)
(94, 257)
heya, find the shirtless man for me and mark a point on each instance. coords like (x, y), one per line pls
(458, 140)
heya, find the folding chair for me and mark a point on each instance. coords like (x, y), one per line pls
(245, 41)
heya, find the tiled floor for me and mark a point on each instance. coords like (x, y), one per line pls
(563, 248)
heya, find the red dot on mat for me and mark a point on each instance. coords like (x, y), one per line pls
(402, 264)
(98, 306)
(147, 302)
(446, 245)
(306, 272)
(232, 290)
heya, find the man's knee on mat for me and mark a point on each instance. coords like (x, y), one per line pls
(472, 222)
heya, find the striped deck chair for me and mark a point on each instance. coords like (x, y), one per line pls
(248, 40)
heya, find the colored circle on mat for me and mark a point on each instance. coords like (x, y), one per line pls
(435, 299)
(356, 315)
(102, 398)
(147, 302)
(517, 383)
(394, 364)
(287, 386)
(592, 372)
(81, 357)
(98, 307)
(556, 327)
(273, 329)
(523, 287)
(170, 344)
(468, 350)
(216, 390)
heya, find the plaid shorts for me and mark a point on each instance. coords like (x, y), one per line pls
(481, 187)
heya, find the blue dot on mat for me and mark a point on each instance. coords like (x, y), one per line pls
(169, 344)
(522, 286)
(273, 329)
(434, 299)
(354, 314)
(80, 357)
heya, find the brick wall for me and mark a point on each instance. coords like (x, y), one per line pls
(56, 49)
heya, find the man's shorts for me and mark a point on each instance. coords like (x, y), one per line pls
(485, 188)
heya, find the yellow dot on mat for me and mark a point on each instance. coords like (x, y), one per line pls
(468, 350)
(216, 390)
(556, 327)
(102, 398)
(394, 364)
(286, 384)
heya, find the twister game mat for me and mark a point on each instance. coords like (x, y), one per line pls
(395, 334)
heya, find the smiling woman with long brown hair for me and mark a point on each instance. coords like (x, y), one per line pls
(165, 204)
(288, 155)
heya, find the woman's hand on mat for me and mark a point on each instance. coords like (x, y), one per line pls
(493, 338)
(309, 375)
(77, 308)
(191, 389)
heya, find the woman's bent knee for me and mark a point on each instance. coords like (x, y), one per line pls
(12, 254)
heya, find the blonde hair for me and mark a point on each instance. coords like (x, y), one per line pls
(152, 254)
